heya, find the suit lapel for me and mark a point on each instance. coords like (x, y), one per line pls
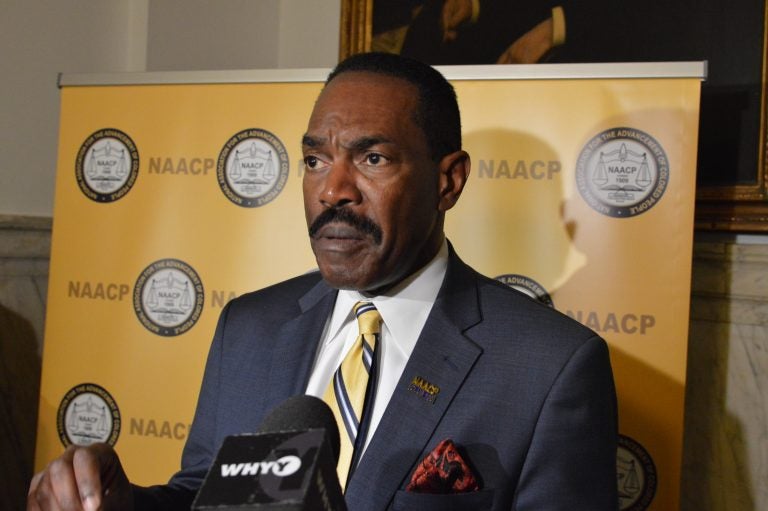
(443, 357)
(297, 344)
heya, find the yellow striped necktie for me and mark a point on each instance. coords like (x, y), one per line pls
(346, 392)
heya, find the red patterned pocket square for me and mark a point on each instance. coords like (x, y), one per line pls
(443, 471)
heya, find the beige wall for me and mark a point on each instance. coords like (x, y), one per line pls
(39, 39)
(42, 38)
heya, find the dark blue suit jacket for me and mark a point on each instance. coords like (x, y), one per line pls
(524, 390)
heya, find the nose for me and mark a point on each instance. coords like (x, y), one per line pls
(340, 186)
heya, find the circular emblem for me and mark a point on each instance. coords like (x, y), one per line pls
(527, 286)
(168, 297)
(107, 165)
(622, 172)
(88, 414)
(252, 168)
(636, 475)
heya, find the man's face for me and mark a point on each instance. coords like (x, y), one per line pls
(371, 195)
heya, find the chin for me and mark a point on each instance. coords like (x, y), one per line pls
(358, 283)
(342, 279)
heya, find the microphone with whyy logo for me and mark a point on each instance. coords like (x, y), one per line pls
(289, 464)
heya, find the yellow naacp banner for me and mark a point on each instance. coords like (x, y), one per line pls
(177, 191)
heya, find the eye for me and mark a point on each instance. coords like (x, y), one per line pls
(375, 159)
(312, 162)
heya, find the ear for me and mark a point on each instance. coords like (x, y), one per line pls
(453, 173)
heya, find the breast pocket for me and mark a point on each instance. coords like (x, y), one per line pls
(473, 501)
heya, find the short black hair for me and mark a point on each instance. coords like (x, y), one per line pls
(437, 113)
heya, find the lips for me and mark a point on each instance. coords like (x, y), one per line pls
(337, 237)
(339, 231)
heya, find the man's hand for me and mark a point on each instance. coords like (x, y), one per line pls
(455, 12)
(531, 46)
(82, 479)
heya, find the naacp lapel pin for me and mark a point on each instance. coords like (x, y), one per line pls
(425, 390)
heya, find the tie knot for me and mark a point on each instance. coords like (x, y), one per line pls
(368, 318)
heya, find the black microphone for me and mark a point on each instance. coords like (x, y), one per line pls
(289, 464)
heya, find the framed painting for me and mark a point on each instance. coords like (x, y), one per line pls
(732, 175)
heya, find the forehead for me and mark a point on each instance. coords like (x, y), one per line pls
(355, 98)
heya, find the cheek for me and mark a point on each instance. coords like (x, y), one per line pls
(386, 210)
(407, 222)
(311, 205)
(416, 203)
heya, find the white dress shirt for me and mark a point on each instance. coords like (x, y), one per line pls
(404, 310)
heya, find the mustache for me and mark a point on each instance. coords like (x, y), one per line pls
(363, 224)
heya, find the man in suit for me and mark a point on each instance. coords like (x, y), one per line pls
(524, 392)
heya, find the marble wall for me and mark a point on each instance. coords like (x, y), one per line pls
(726, 427)
(725, 458)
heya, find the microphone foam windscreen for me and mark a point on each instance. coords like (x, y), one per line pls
(300, 413)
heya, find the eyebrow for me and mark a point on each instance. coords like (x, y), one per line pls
(363, 143)
(310, 141)
(360, 144)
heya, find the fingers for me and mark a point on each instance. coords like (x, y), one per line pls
(71, 482)
(531, 46)
(87, 464)
(32, 504)
(455, 12)
(55, 488)
(508, 57)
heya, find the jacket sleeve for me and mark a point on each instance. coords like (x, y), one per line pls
(571, 463)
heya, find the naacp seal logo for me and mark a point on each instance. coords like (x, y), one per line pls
(622, 172)
(107, 165)
(88, 414)
(528, 286)
(636, 475)
(168, 297)
(252, 168)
